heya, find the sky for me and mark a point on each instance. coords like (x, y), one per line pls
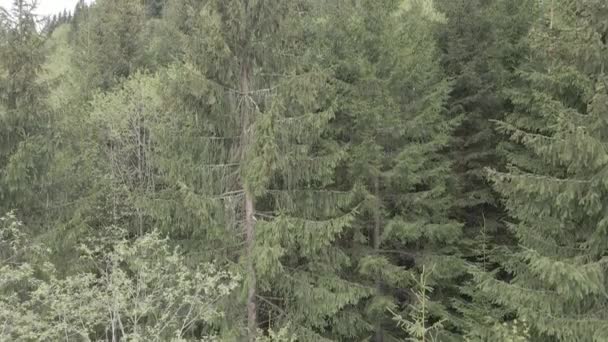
(47, 7)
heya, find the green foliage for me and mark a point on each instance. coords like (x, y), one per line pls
(254, 104)
(482, 43)
(417, 325)
(553, 187)
(108, 46)
(331, 153)
(282, 335)
(139, 290)
(392, 118)
(24, 119)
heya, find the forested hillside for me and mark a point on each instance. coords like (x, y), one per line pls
(305, 170)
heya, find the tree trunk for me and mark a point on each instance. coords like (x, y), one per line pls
(376, 242)
(246, 139)
(251, 291)
(552, 14)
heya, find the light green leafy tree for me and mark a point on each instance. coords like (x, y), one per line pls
(140, 290)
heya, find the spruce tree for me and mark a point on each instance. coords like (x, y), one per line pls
(555, 186)
(23, 116)
(482, 45)
(74, 203)
(108, 44)
(394, 121)
(254, 161)
(81, 15)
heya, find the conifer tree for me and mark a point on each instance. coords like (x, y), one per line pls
(81, 15)
(394, 120)
(254, 162)
(482, 44)
(555, 186)
(108, 46)
(23, 116)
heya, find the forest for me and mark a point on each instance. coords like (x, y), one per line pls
(304, 170)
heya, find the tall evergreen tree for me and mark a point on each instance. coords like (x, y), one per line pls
(108, 42)
(254, 161)
(555, 185)
(23, 116)
(81, 14)
(394, 121)
(482, 44)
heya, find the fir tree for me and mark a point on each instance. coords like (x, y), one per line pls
(482, 43)
(555, 186)
(23, 116)
(81, 14)
(254, 161)
(393, 118)
(108, 47)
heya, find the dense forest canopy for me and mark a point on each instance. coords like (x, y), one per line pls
(304, 170)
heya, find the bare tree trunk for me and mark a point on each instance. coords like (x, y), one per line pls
(552, 14)
(376, 242)
(141, 162)
(114, 199)
(246, 140)
(251, 291)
